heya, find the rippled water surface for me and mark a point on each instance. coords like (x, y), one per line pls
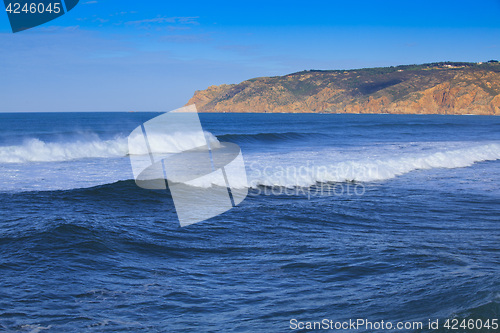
(416, 238)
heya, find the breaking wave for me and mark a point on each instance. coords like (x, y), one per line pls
(36, 150)
(306, 170)
(368, 169)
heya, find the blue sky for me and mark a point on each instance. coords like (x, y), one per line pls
(122, 55)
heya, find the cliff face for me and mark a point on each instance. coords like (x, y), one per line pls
(440, 88)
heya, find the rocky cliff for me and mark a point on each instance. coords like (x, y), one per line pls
(438, 88)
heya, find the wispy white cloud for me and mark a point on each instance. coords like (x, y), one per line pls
(193, 20)
(100, 20)
(57, 29)
(187, 38)
(123, 13)
(239, 49)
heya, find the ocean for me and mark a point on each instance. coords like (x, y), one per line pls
(392, 218)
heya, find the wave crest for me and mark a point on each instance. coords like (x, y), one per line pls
(36, 150)
(290, 174)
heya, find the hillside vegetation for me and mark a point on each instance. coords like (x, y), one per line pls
(437, 88)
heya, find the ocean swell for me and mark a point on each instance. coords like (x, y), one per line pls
(36, 150)
(367, 169)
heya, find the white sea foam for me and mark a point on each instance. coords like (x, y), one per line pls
(304, 173)
(171, 143)
(36, 150)
(299, 168)
(304, 169)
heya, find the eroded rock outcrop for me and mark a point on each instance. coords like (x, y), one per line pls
(440, 88)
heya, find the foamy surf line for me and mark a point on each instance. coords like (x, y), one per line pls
(36, 150)
(369, 170)
(301, 169)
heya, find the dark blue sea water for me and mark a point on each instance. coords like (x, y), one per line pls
(376, 217)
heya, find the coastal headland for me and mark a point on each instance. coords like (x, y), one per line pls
(455, 88)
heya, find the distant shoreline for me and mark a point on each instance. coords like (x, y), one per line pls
(448, 88)
(259, 113)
